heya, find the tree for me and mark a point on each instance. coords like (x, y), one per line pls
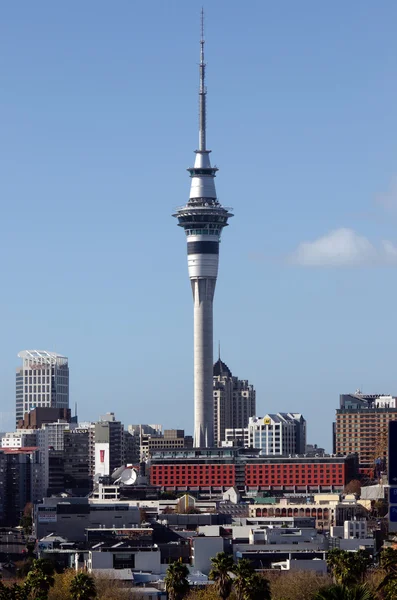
(82, 587)
(13, 592)
(176, 582)
(257, 588)
(353, 487)
(296, 585)
(342, 592)
(222, 567)
(40, 579)
(243, 570)
(388, 562)
(348, 568)
(26, 519)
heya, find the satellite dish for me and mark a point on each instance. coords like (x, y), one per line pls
(128, 477)
(117, 472)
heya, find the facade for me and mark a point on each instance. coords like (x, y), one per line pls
(362, 426)
(203, 218)
(70, 517)
(109, 445)
(237, 437)
(77, 468)
(278, 434)
(42, 381)
(19, 439)
(217, 470)
(38, 417)
(20, 482)
(143, 435)
(234, 402)
(281, 434)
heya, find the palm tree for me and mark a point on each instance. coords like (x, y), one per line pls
(82, 587)
(40, 579)
(342, 592)
(176, 582)
(257, 588)
(348, 568)
(242, 571)
(222, 567)
(388, 562)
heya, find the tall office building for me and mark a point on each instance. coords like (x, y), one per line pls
(361, 426)
(234, 401)
(42, 381)
(203, 218)
(278, 434)
(109, 445)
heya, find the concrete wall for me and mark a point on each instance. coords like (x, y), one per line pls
(205, 548)
(72, 526)
(144, 561)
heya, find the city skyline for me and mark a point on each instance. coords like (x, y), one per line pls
(97, 121)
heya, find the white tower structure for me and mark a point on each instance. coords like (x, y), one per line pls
(203, 219)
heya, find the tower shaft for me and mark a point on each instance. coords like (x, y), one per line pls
(203, 293)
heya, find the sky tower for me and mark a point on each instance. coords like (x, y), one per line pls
(203, 219)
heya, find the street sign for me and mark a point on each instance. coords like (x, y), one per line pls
(392, 453)
(393, 495)
(393, 514)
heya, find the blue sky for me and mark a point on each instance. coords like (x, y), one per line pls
(98, 120)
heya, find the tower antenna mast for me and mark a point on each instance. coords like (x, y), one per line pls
(203, 91)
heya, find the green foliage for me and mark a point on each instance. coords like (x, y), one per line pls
(257, 588)
(388, 562)
(40, 579)
(343, 592)
(176, 582)
(222, 567)
(243, 570)
(347, 568)
(13, 592)
(82, 587)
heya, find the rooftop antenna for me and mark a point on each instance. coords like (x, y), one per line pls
(219, 350)
(202, 92)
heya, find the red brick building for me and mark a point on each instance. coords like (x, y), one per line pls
(219, 469)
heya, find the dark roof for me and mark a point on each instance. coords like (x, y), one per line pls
(221, 369)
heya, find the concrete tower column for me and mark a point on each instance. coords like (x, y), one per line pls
(203, 293)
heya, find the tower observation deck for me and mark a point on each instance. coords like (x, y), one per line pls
(203, 218)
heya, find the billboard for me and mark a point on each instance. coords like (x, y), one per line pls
(102, 465)
(47, 514)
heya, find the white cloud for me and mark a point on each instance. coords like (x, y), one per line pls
(343, 248)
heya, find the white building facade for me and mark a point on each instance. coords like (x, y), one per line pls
(42, 381)
(234, 402)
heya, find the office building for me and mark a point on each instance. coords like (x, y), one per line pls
(362, 422)
(77, 467)
(42, 381)
(234, 401)
(20, 482)
(40, 416)
(203, 218)
(142, 439)
(109, 445)
(278, 434)
(205, 471)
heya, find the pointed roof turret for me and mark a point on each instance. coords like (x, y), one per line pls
(220, 368)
